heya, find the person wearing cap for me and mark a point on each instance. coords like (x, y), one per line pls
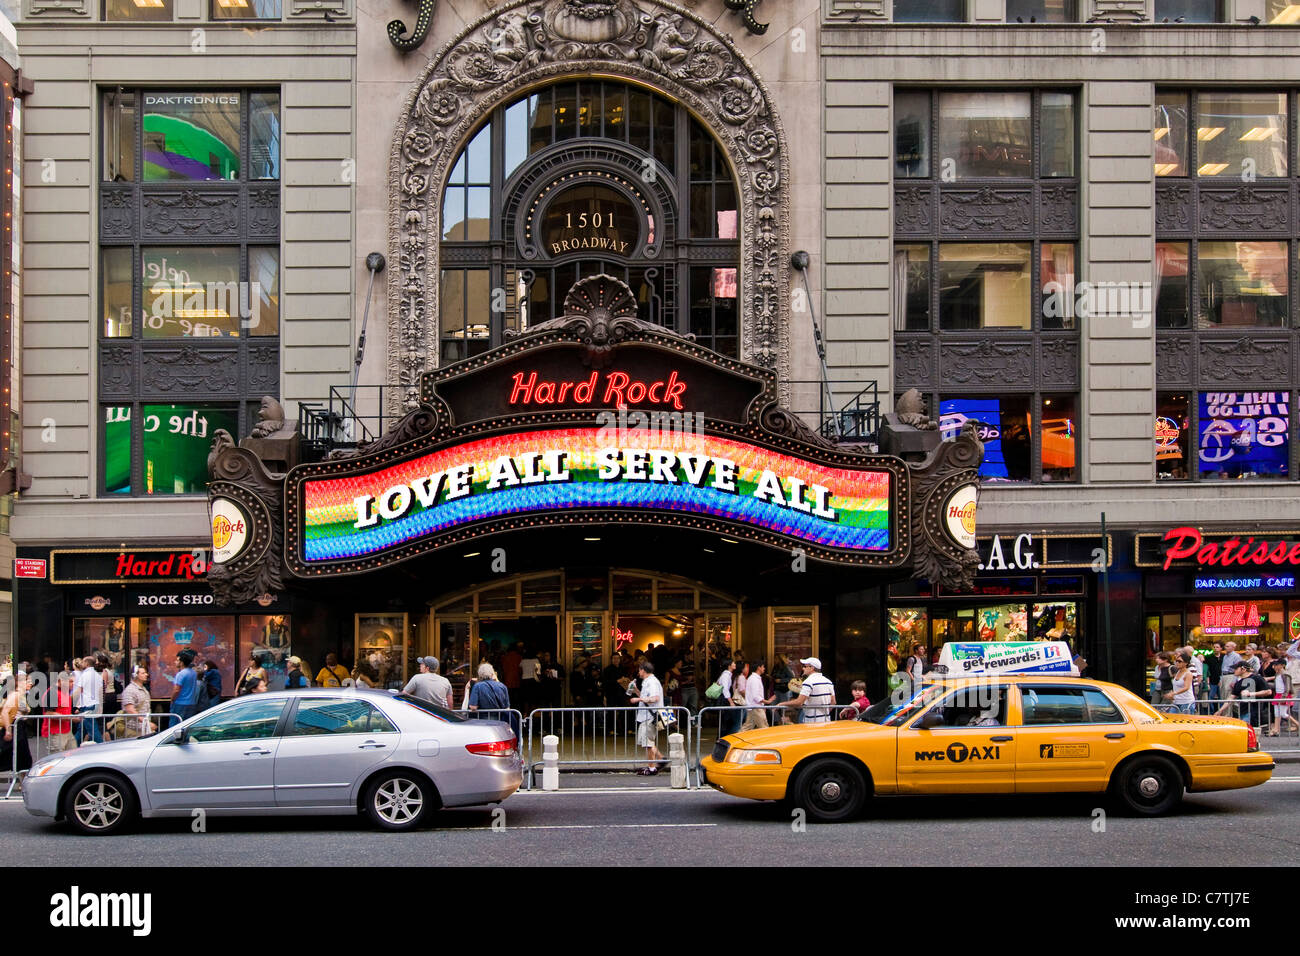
(429, 684)
(1248, 686)
(816, 695)
(333, 674)
(295, 679)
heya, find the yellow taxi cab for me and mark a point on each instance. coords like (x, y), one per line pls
(992, 733)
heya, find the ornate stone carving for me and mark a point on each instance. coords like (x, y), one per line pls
(855, 10)
(1058, 210)
(1058, 362)
(115, 368)
(913, 360)
(1247, 207)
(191, 369)
(414, 424)
(264, 212)
(191, 212)
(656, 44)
(986, 363)
(239, 474)
(913, 210)
(1173, 359)
(263, 369)
(1120, 11)
(56, 8)
(1245, 359)
(986, 209)
(1173, 207)
(116, 212)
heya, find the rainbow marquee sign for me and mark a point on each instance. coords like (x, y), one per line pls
(580, 474)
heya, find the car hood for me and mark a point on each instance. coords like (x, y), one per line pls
(95, 752)
(802, 733)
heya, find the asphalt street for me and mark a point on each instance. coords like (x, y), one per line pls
(585, 826)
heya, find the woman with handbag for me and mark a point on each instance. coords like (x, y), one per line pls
(1164, 689)
(254, 669)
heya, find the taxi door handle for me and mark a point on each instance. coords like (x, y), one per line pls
(1115, 736)
(1002, 740)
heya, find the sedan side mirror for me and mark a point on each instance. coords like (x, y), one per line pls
(931, 720)
(182, 736)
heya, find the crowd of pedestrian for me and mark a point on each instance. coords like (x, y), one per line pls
(1253, 682)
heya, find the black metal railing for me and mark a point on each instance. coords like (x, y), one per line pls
(848, 411)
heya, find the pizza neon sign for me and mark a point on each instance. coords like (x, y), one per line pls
(568, 473)
(1237, 619)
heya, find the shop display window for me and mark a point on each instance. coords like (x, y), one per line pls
(794, 634)
(210, 638)
(381, 649)
(268, 637)
(94, 635)
(1244, 620)
(1056, 622)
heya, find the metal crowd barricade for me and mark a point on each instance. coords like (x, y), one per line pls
(714, 723)
(601, 737)
(112, 727)
(1261, 712)
(506, 715)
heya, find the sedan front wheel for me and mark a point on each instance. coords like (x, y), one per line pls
(99, 804)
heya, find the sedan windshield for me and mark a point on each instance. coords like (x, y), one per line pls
(892, 712)
(442, 713)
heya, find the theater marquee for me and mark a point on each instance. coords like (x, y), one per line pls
(597, 419)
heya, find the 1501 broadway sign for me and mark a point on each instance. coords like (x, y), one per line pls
(593, 419)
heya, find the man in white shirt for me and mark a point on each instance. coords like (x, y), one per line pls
(648, 699)
(756, 717)
(429, 684)
(817, 694)
(88, 699)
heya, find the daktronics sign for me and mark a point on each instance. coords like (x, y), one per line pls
(1188, 544)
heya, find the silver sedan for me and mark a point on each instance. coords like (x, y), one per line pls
(394, 759)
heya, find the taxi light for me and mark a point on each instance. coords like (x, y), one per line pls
(1252, 741)
(753, 756)
(494, 748)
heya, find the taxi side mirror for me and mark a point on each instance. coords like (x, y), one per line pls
(931, 720)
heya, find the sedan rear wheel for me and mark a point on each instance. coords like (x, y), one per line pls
(398, 801)
(831, 790)
(1150, 786)
(99, 804)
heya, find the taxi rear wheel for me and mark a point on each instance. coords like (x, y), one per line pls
(831, 790)
(1150, 786)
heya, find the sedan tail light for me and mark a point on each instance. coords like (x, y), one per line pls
(1252, 741)
(494, 748)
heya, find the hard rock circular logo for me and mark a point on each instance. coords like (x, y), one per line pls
(223, 529)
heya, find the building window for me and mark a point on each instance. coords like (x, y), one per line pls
(137, 9)
(1243, 435)
(1239, 284)
(929, 11)
(1173, 435)
(984, 134)
(1282, 11)
(245, 9)
(553, 189)
(1026, 437)
(167, 454)
(1239, 135)
(214, 281)
(1189, 11)
(1041, 11)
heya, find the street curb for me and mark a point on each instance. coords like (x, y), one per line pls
(1286, 756)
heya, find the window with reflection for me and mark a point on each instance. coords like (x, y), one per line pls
(587, 212)
(1188, 11)
(1244, 434)
(1172, 435)
(1171, 293)
(191, 136)
(911, 134)
(1041, 11)
(143, 10)
(987, 134)
(929, 11)
(1241, 134)
(912, 288)
(1242, 283)
(245, 9)
(984, 285)
(1004, 425)
(1169, 123)
(1282, 12)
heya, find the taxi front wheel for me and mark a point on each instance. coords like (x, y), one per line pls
(831, 790)
(1149, 786)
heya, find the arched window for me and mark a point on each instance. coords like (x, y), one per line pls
(583, 177)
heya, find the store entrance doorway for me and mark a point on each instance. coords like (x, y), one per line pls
(523, 652)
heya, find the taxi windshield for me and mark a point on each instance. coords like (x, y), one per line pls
(892, 712)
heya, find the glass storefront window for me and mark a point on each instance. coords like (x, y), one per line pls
(1004, 427)
(1173, 435)
(984, 285)
(92, 636)
(381, 649)
(137, 10)
(1056, 622)
(585, 640)
(1242, 620)
(177, 439)
(1059, 439)
(1244, 434)
(1171, 285)
(210, 638)
(245, 9)
(1242, 284)
(929, 11)
(454, 661)
(631, 592)
(1241, 133)
(912, 134)
(987, 134)
(793, 635)
(908, 626)
(912, 288)
(541, 594)
(119, 136)
(191, 136)
(1169, 130)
